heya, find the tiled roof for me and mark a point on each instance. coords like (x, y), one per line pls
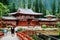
(50, 15)
(46, 19)
(12, 13)
(9, 17)
(26, 11)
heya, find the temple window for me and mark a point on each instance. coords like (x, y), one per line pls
(32, 17)
(27, 16)
(23, 16)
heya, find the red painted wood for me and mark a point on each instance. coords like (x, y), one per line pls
(24, 36)
(1, 34)
(22, 23)
(25, 23)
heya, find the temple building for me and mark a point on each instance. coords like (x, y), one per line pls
(23, 17)
(49, 20)
(26, 17)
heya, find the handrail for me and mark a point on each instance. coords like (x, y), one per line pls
(24, 37)
(50, 36)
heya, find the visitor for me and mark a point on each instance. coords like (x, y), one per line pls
(12, 31)
(5, 30)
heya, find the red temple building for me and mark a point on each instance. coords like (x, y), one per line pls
(23, 17)
(26, 17)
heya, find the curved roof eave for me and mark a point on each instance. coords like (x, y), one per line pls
(26, 13)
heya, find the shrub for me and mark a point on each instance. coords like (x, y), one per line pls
(1, 30)
(20, 29)
(58, 24)
(35, 37)
(44, 26)
(58, 15)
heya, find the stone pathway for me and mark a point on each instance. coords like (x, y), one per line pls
(8, 36)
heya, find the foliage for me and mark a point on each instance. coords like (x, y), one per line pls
(53, 7)
(35, 37)
(20, 29)
(58, 24)
(42, 6)
(59, 6)
(11, 7)
(3, 10)
(1, 29)
(5, 2)
(58, 15)
(44, 26)
(47, 12)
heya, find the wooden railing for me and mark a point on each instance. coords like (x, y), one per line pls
(23, 36)
(47, 37)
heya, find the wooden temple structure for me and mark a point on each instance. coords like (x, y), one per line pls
(26, 17)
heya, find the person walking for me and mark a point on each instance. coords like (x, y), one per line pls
(12, 31)
(5, 30)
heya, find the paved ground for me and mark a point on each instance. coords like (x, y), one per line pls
(8, 36)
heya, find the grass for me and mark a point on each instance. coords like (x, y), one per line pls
(35, 37)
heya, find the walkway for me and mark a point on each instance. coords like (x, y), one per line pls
(8, 36)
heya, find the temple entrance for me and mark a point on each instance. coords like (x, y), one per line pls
(28, 22)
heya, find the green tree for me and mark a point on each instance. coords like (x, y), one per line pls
(3, 10)
(5, 2)
(47, 12)
(11, 7)
(54, 7)
(40, 5)
(59, 6)
(58, 15)
(43, 9)
(36, 6)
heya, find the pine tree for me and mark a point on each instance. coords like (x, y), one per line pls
(58, 6)
(3, 10)
(54, 7)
